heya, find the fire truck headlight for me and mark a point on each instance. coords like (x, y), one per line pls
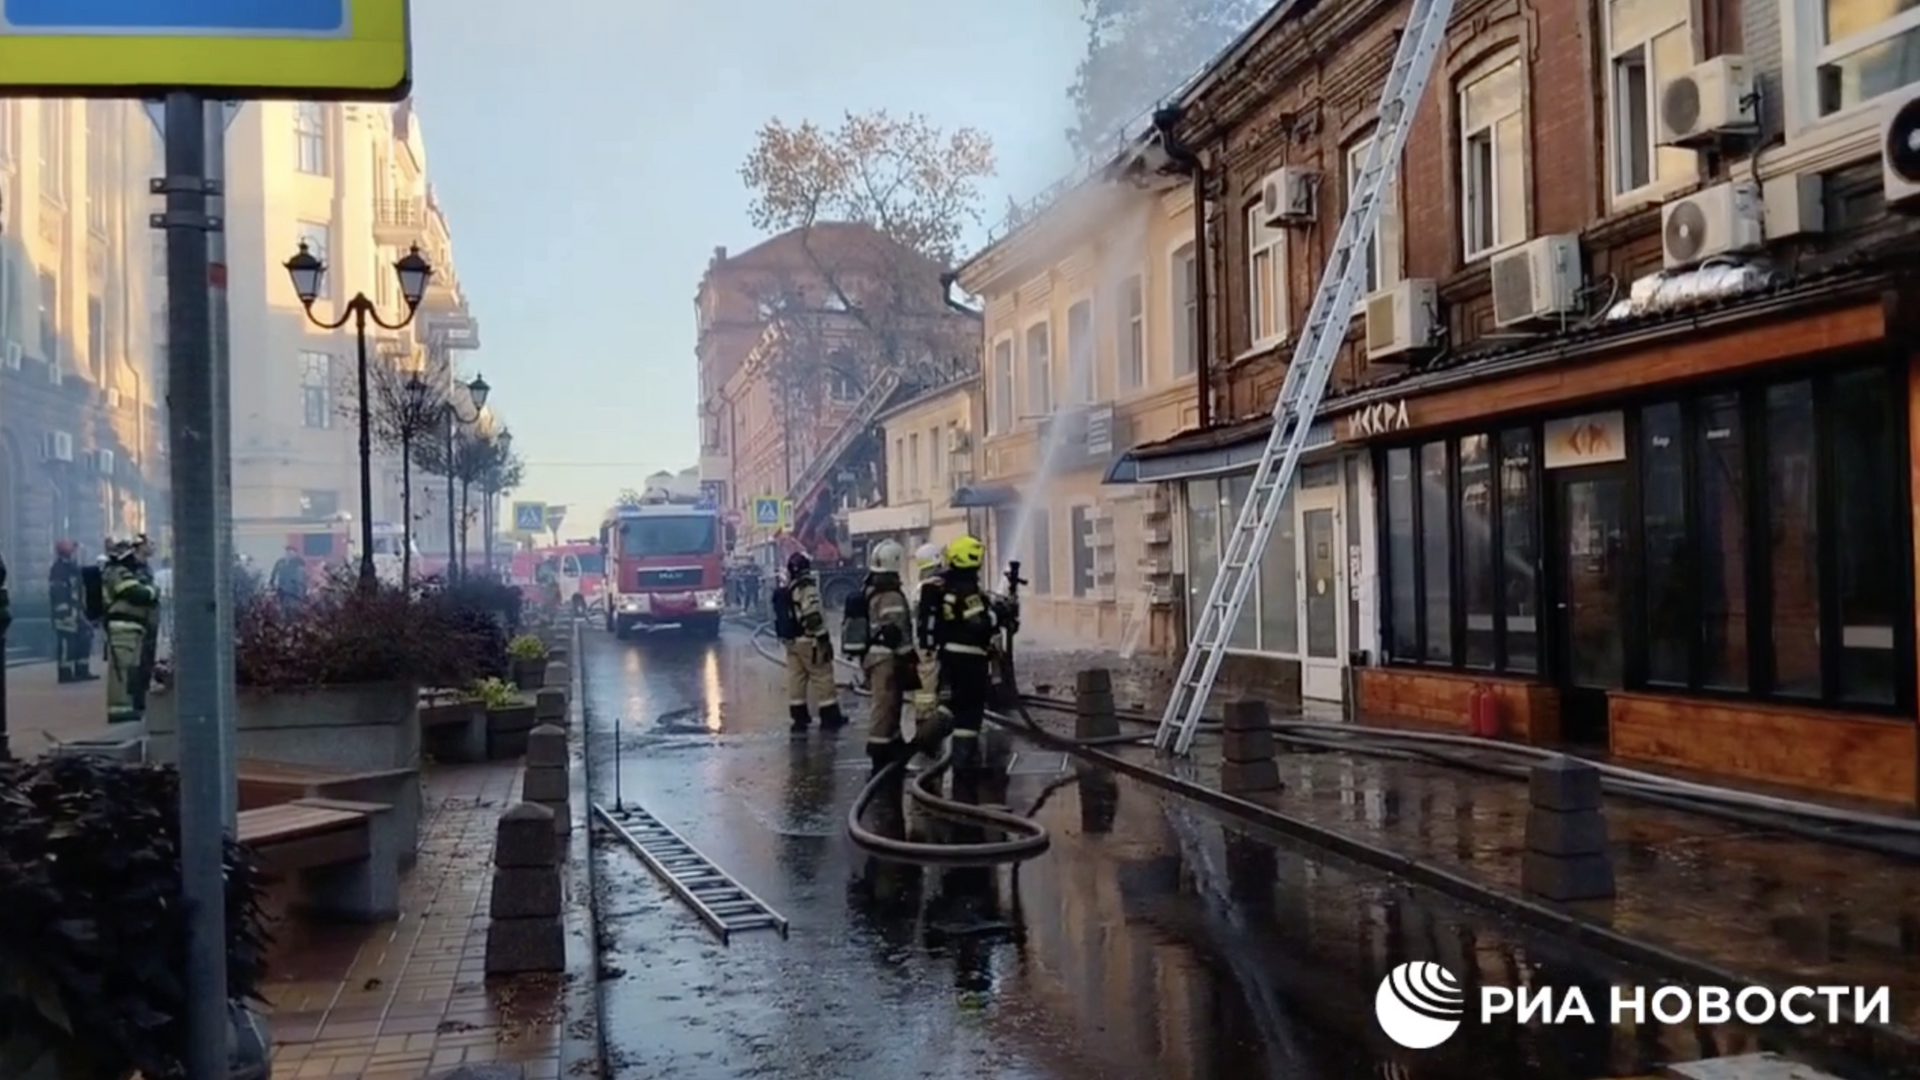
(711, 600)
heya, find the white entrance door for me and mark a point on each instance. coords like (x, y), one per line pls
(1323, 591)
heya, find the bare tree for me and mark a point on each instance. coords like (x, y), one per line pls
(406, 410)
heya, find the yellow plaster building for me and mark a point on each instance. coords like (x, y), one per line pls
(929, 453)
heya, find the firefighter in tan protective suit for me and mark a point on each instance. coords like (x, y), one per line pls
(801, 624)
(131, 605)
(930, 560)
(879, 636)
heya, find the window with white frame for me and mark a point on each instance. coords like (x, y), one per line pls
(1493, 160)
(1383, 255)
(1132, 333)
(1266, 280)
(1039, 370)
(1185, 309)
(1080, 354)
(913, 466)
(316, 390)
(310, 138)
(1866, 48)
(1648, 43)
(1000, 415)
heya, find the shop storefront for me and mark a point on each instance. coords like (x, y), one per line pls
(1717, 575)
(1308, 606)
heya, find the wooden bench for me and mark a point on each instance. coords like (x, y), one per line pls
(344, 854)
(265, 783)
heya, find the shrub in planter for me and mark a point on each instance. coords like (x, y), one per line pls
(342, 637)
(529, 656)
(93, 941)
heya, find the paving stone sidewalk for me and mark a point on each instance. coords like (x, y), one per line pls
(41, 711)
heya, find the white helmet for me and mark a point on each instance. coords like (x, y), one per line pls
(928, 558)
(886, 557)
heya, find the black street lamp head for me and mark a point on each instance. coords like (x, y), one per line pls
(505, 441)
(417, 393)
(308, 273)
(477, 391)
(414, 273)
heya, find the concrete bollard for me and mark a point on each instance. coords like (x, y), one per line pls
(1093, 709)
(548, 779)
(557, 654)
(559, 676)
(525, 929)
(1566, 855)
(1247, 766)
(550, 705)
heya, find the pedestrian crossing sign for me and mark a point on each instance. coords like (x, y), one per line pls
(767, 513)
(529, 517)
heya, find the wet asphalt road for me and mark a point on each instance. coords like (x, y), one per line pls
(1151, 941)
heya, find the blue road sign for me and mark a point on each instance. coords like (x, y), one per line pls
(145, 17)
(766, 513)
(226, 49)
(529, 516)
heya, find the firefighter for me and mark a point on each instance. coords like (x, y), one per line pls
(131, 605)
(885, 651)
(150, 645)
(67, 599)
(800, 622)
(929, 560)
(965, 632)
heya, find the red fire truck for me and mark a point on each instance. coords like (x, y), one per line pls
(574, 574)
(664, 561)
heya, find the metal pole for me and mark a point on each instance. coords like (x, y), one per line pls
(406, 511)
(367, 576)
(453, 538)
(6, 614)
(218, 115)
(199, 551)
(486, 524)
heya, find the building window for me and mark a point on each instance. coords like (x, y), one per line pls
(897, 469)
(1000, 415)
(1080, 523)
(1040, 539)
(1461, 555)
(1132, 333)
(1266, 281)
(1493, 160)
(1185, 311)
(318, 236)
(1383, 255)
(841, 385)
(1649, 42)
(1771, 531)
(310, 138)
(9, 133)
(1279, 587)
(53, 150)
(319, 505)
(50, 318)
(934, 466)
(1039, 370)
(316, 390)
(1866, 48)
(1268, 619)
(913, 465)
(1234, 491)
(1203, 544)
(1080, 352)
(102, 137)
(97, 337)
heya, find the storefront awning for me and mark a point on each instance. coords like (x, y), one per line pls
(984, 496)
(1207, 452)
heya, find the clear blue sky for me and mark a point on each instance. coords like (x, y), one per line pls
(588, 167)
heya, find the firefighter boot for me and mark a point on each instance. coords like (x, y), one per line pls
(831, 718)
(885, 754)
(966, 753)
(801, 721)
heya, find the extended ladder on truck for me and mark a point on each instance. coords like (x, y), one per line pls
(1306, 382)
(870, 405)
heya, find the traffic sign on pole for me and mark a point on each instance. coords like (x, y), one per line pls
(766, 513)
(305, 49)
(529, 517)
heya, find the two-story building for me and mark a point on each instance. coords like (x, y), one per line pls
(1626, 412)
(929, 440)
(1091, 339)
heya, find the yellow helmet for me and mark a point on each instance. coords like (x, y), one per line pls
(966, 553)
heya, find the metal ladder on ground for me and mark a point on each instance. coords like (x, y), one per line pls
(869, 406)
(725, 905)
(1326, 327)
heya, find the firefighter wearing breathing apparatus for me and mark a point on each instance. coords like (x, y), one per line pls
(966, 635)
(130, 603)
(801, 624)
(929, 561)
(879, 637)
(67, 597)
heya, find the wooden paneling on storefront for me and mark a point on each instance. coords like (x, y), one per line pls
(1529, 711)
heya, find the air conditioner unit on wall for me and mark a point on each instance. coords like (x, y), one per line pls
(1540, 279)
(1708, 102)
(101, 461)
(1401, 317)
(13, 355)
(1900, 149)
(1288, 195)
(56, 446)
(1719, 220)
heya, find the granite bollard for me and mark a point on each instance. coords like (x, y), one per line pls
(1247, 763)
(548, 779)
(1566, 857)
(525, 928)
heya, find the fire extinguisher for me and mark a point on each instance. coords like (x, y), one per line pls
(1483, 712)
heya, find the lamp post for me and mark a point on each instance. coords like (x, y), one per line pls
(477, 392)
(498, 446)
(309, 274)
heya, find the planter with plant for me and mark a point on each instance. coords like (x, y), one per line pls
(94, 938)
(529, 656)
(510, 715)
(335, 682)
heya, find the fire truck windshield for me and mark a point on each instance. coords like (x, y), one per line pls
(691, 535)
(592, 563)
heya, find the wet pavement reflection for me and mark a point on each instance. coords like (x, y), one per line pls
(1151, 941)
